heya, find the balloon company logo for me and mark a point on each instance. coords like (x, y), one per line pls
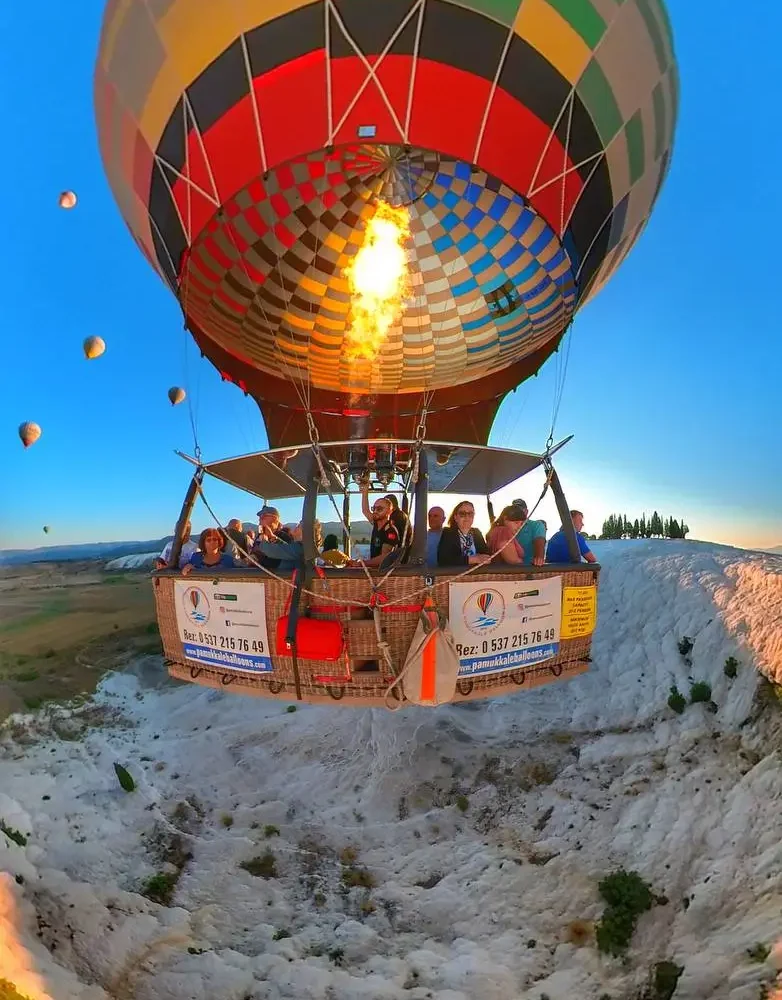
(196, 605)
(483, 611)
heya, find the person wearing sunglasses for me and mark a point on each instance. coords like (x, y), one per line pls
(384, 545)
(212, 554)
(461, 544)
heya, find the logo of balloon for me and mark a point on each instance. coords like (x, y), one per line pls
(196, 605)
(484, 611)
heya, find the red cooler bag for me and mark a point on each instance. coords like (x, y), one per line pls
(315, 639)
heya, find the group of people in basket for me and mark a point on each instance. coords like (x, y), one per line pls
(514, 538)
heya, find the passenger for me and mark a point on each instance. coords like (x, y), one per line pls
(558, 551)
(436, 518)
(237, 539)
(531, 536)
(460, 543)
(400, 520)
(332, 555)
(188, 548)
(289, 555)
(270, 529)
(212, 555)
(500, 534)
(385, 543)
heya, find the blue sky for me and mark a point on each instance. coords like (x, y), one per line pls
(673, 380)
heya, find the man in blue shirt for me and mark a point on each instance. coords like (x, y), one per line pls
(531, 536)
(558, 551)
(436, 522)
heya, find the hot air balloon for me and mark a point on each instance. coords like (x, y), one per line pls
(67, 199)
(379, 219)
(93, 347)
(176, 395)
(46, 529)
(29, 433)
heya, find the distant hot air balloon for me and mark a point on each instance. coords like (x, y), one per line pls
(176, 395)
(67, 199)
(93, 347)
(46, 529)
(29, 433)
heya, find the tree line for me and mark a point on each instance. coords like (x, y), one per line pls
(620, 526)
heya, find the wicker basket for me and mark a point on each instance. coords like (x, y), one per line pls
(362, 677)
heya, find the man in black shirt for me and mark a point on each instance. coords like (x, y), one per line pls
(385, 536)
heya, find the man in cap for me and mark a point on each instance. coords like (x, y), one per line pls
(270, 529)
(531, 536)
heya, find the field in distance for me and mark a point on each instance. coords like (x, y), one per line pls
(63, 624)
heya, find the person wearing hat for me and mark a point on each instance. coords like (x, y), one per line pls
(270, 529)
(287, 554)
(531, 536)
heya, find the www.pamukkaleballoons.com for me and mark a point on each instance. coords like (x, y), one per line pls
(378, 219)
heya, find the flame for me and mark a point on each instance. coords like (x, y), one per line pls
(378, 281)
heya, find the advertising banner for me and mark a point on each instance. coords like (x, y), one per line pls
(579, 611)
(502, 626)
(223, 624)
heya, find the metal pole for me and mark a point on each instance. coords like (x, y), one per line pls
(418, 549)
(184, 516)
(308, 515)
(567, 520)
(346, 519)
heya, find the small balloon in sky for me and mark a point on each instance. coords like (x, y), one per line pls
(46, 529)
(67, 199)
(176, 395)
(29, 433)
(93, 347)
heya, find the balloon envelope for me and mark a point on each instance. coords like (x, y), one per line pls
(46, 529)
(176, 395)
(29, 433)
(93, 347)
(67, 199)
(527, 154)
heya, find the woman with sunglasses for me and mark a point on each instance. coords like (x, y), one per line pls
(460, 543)
(211, 554)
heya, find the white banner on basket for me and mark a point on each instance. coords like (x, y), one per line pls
(223, 624)
(499, 626)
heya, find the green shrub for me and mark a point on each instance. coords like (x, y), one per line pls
(161, 887)
(261, 866)
(125, 779)
(685, 645)
(666, 976)
(731, 667)
(18, 838)
(271, 831)
(676, 700)
(700, 691)
(627, 896)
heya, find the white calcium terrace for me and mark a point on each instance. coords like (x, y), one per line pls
(483, 829)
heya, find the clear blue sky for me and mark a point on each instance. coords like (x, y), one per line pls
(673, 388)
